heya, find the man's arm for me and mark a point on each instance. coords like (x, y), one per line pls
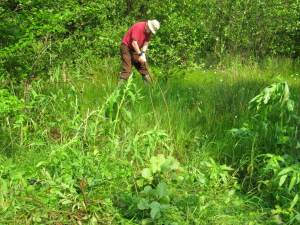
(140, 52)
(136, 47)
(145, 47)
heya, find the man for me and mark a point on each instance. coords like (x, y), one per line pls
(134, 46)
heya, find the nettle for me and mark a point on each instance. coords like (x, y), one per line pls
(216, 175)
(273, 125)
(273, 129)
(11, 117)
(273, 122)
(116, 107)
(154, 190)
(143, 145)
(10, 105)
(280, 180)
(110, 119)
(65, 173)
(274, 114)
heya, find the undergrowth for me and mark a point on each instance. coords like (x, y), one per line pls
(216, 146)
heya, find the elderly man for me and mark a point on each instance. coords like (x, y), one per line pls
(134, 46)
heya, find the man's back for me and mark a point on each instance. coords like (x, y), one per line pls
(136, 33)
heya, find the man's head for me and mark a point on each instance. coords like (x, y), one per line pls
(152, 26)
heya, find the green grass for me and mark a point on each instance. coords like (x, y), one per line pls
(88, 166)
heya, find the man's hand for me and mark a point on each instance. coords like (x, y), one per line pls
(142, 58)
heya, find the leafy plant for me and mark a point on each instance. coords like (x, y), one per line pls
(279, 180)
(273, 124)
(12, 117)
(115, 108)
(10, 105)
(273, 130)
(152, 199)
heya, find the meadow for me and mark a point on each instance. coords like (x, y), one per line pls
(201, 145)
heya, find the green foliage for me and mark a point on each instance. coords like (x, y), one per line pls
(38, 35)
(91, 152)
(154, 194)
(274, 126)
(273, 119)
(116, 106)
(279, 180)
(160, 168)
(12, 117)
(52, 33)
(272, 97)
(217, 175)
(10, 105)
(65, 187)
(164, 192)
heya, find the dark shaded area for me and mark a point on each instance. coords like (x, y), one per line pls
(75, 29)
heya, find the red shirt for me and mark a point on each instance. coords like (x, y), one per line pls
(136, 33)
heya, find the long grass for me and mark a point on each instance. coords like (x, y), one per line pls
(187, 114)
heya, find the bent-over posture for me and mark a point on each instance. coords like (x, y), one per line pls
(134, 46)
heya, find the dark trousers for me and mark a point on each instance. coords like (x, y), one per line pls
(130, 57)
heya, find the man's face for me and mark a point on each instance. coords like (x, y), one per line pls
(148, 31)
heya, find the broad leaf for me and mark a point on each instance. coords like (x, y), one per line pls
(155, 210)
(285, 171)
(162, 190)
(157, 162)
(293, 181)
(294, 202)
(143, 204)
(282, 180)
(146, 173)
